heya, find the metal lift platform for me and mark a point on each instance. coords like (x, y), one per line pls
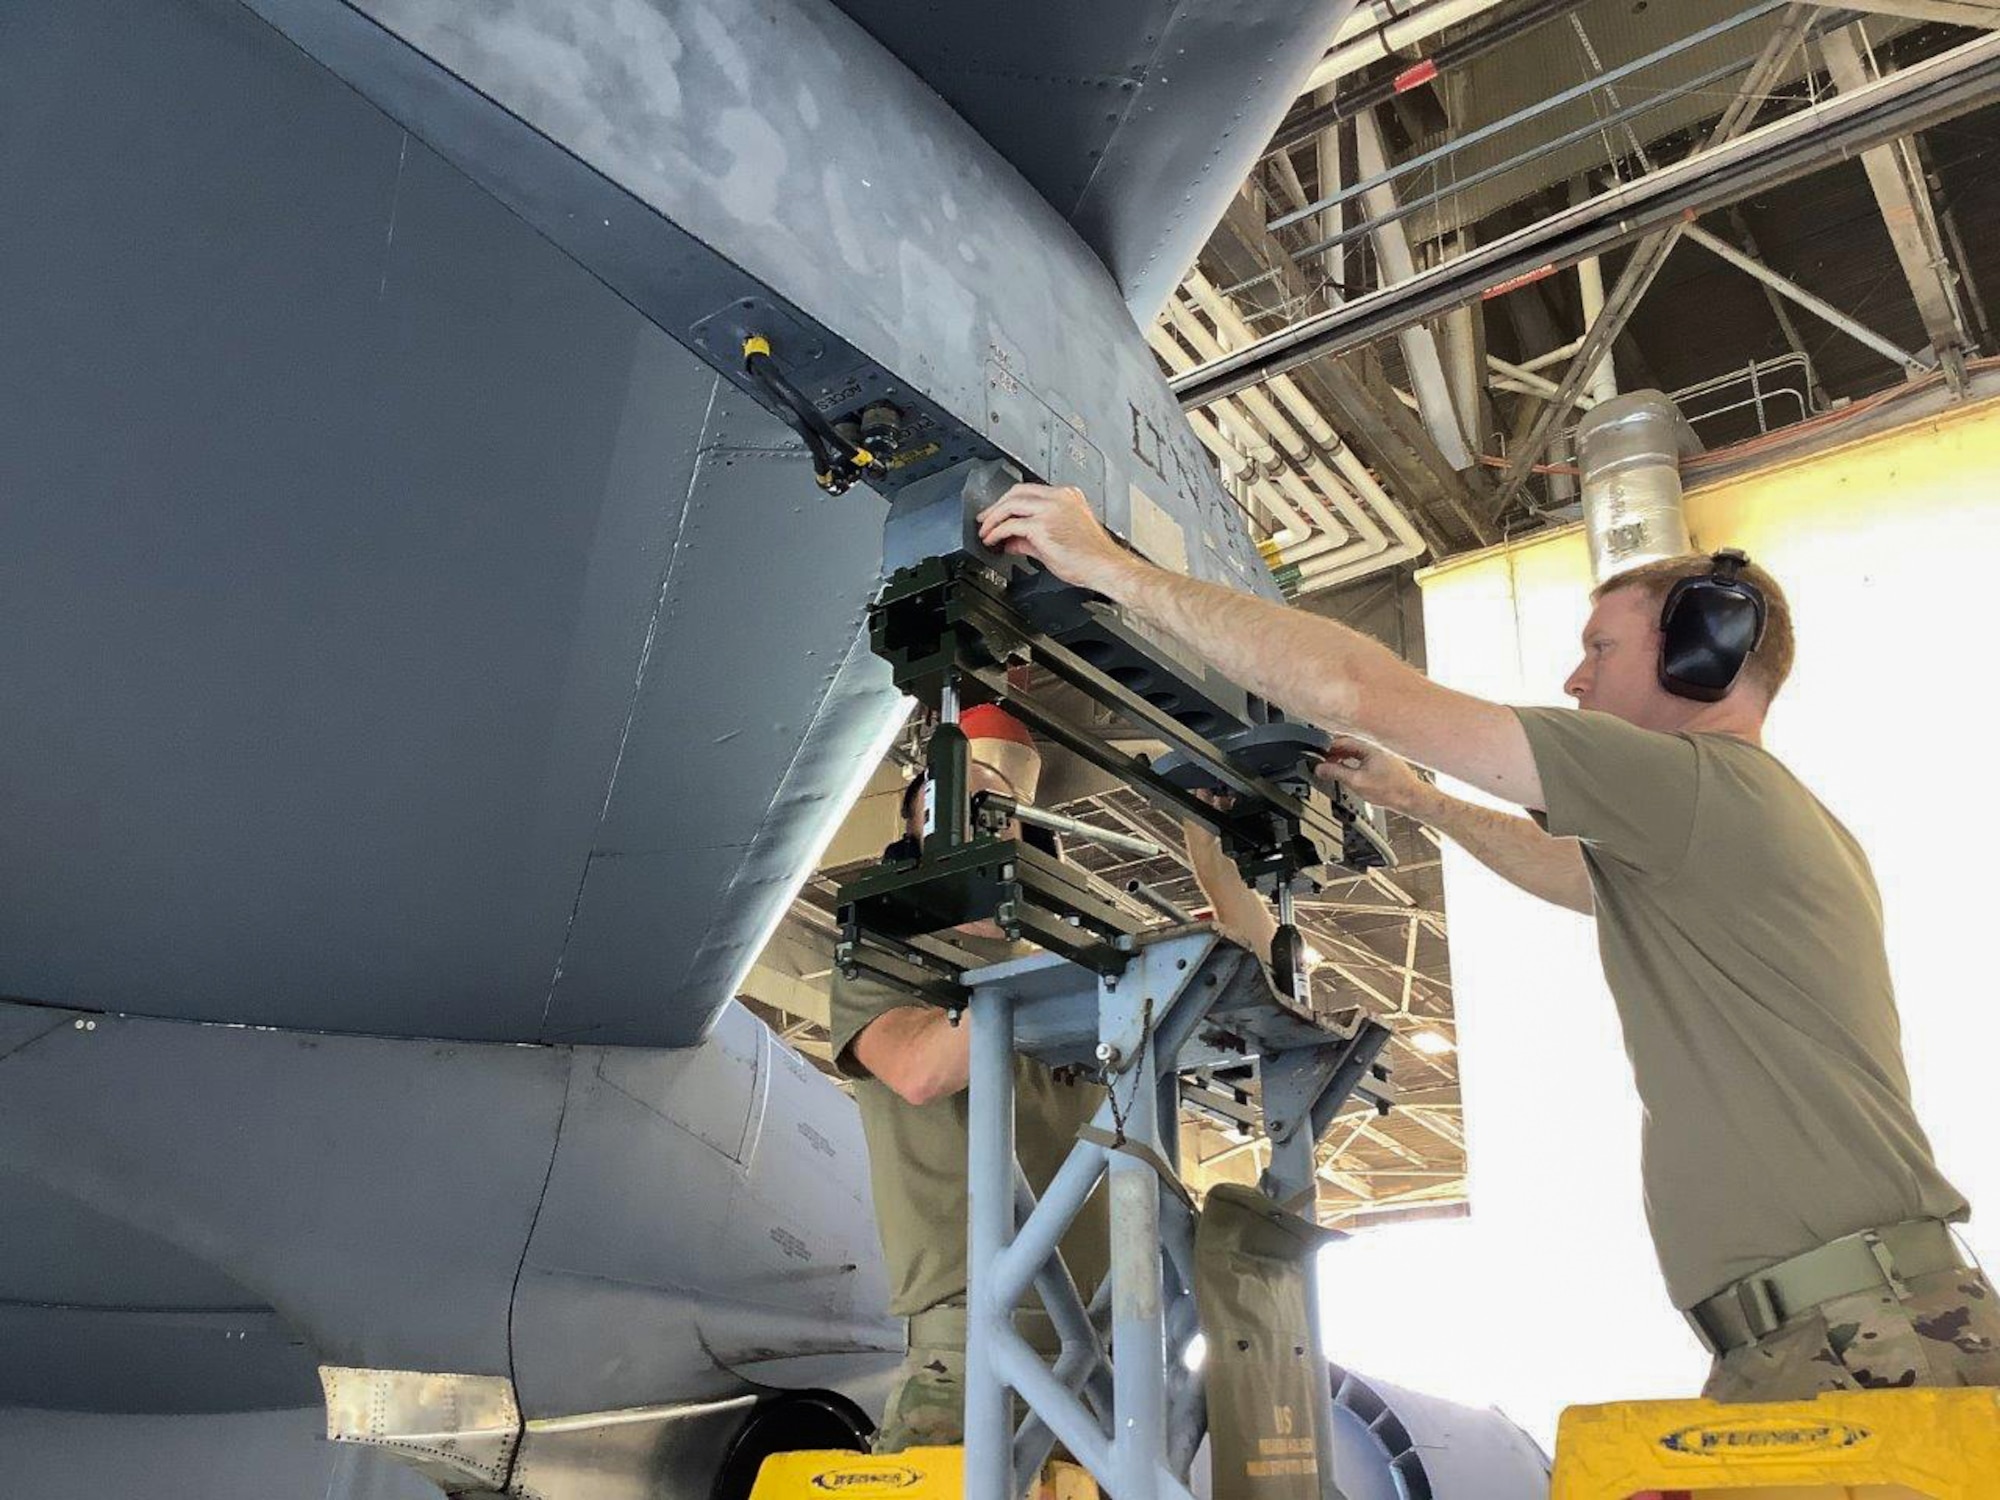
(1188, 1004)
(1189, 1001)
(1159, 1014)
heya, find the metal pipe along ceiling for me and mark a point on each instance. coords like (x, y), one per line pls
(1588, 86)
(1359, 480)
(1420, 349)
(1913, 98)
(1368, 36)
(1324, 539)
(1451, 55)
(1242, 429)
(1302, 430)
(1269, 419)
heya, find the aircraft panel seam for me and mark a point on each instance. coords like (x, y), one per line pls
(632, 703)
(63, 1019)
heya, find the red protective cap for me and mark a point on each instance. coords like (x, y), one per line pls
(1411, 78)
(989, 721)
(995, 738)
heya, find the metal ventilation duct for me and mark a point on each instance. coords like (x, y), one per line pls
(1630, 450)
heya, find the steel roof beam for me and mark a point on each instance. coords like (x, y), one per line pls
(1902, 194)
(1533, 111)
(1958, 12)
(1937, 89)
(1787, 325)
(1784, 286)
(1652, 252)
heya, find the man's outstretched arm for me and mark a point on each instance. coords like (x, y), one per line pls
(917, 1052)
(1511, 846)
(1309, 665)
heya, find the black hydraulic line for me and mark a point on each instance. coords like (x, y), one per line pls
(1451, 55)
(807, 431)
(806, 420)
(836, 462)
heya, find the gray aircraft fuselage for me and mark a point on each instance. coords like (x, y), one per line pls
(430, 671)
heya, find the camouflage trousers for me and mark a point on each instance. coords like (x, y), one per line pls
(926, 1409)
(927, 1405)
(1947, 1332)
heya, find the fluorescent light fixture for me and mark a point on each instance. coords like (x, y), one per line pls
(1313, 956)
(1284, 536)
(1431, 1043)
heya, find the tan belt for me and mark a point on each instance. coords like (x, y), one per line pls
(943, 1327)
(1761, 1304)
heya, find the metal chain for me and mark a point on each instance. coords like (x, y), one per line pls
(1118, 1113)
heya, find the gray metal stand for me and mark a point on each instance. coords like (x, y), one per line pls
(1188, 1000)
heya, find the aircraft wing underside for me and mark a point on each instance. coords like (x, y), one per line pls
(1119, 114)
(411, 633)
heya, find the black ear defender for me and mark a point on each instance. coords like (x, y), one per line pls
(1708, 627)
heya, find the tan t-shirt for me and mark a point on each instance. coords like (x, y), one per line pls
(916, 1154)
(1741, 933)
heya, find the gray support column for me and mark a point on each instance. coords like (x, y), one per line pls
(1187, 1396)
(1925, 93)
(1039, 1386)
(1968, 284)
(1081, 1366)
(1134, 1423)
(1333, 174)
(989, 1454)
(1138, 1324)
(1037, 1235)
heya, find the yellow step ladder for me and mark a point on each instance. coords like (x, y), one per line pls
(1863, 1445)
(914, 1474)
